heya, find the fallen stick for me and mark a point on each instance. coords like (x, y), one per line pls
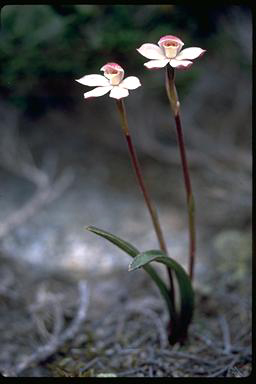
(44, 352)
(40, 198)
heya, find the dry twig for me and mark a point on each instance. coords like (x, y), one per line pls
(17, 158)
(56, 342)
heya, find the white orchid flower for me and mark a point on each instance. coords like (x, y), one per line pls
(169, 51)
(111, 81)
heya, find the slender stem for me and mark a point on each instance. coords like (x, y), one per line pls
(136, 166)
(148, 201)
(175, 107)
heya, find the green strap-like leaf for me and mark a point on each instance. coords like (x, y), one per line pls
(120, 243)
(183, 318)
(133, 252)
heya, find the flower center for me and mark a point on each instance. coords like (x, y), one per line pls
(171, 48)
(171, 44)
(112, 71)
(114, 76)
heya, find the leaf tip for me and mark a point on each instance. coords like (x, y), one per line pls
(88, 227)
(130, 267)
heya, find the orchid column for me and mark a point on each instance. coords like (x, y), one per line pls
(168, 51)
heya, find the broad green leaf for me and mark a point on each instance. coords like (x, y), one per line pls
(183, 318)
(133, 252)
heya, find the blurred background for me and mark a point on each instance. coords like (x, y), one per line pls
(64, 162)
(50, 133)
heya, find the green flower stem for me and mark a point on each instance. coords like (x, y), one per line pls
(175, 107)
(148, 201)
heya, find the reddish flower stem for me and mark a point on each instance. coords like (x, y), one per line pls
(175, 107)
(148, 201)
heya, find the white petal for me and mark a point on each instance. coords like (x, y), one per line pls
(96, 92)
(190, 53)
(119, 93)
(94, 81)
(180, 64)
(156, 63)
(131, 82)
(151, 51)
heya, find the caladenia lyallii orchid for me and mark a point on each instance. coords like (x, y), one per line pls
(180, 313)
(112, 82)
(169, 50)
(113, 74)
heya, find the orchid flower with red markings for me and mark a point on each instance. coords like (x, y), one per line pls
(169, 50)
(112, 82)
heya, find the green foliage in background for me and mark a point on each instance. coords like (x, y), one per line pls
(63, 42)
(42, 41)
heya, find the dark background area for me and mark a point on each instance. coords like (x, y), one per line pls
(64, 163)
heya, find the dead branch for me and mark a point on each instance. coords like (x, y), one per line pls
(224, 369)
(57, 341)
(40, 199)
(15, 154)
(226, 334)
(48, 305)
(16, 157)
(154, 317)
